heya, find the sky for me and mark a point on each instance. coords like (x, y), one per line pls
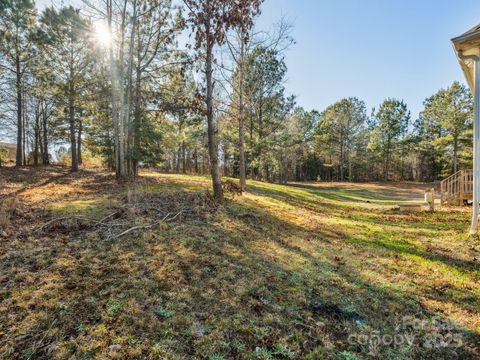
(371, 49)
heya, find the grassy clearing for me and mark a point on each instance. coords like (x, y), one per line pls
(283, 272)
(94, 208)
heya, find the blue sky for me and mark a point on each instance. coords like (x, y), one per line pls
(371, 49)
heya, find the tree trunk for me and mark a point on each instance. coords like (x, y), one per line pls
(136, 119)
(179, 159)
(35, 149)
(225, 162)
(349, 162)
(180, 148)
(342, 160)
(71, 119)
(24, 127)
(36, 141)
(125, 138)
(455, 154)
(128, 167)
(113, 80)
(387, 161)
(121, 171)
(281, 175)
(46, 160)
(264, 169)
(211, 130)
(331, 168)
(241, 148)
(184, 159)
(18, 159)
(195, 159)
(79, 142)
(40, 141)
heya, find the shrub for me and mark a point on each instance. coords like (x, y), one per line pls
(3, 156)
(7, 209)
(89, 160)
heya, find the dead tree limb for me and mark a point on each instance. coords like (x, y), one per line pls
(146, 227)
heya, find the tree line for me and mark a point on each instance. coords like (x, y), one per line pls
(196, 87)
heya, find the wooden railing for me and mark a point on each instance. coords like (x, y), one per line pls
(457, 188)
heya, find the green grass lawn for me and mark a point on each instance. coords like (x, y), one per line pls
(282, 272)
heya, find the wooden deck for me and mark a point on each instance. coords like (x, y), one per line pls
(457, 188)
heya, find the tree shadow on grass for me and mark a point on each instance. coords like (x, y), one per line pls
(335, 193)
(37, 177)
(404, 247)
(30, 176)
(342, 288)
(235, 283)
(386, 191)
(397, 245)
(363, 290)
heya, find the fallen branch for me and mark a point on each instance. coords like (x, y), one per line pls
(146, 227)
(79, 217)
(120, 222)
(108, 217)
(41, 228)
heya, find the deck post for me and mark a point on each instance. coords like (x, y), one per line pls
(442, 193)
(433, 199)
(462, 186)
(476, 147)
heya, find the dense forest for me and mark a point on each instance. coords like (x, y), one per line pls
(197, 87)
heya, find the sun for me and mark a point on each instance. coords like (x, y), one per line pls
(102, 34)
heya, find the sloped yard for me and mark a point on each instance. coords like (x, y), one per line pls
(302, 271)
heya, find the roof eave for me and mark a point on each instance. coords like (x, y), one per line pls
(465, 37)
(467, 71)
(460, 50)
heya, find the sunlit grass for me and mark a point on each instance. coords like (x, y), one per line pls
(95, 208)
(248, 279)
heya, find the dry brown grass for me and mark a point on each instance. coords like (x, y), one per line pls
(7, 210)
(279, 272)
